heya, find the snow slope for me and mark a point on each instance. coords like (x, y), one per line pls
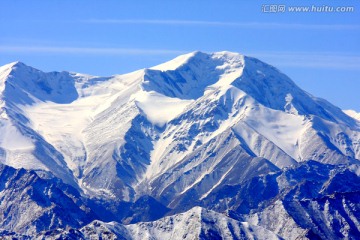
(353, 114)
(196, 223)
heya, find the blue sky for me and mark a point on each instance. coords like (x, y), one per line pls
(320, 51)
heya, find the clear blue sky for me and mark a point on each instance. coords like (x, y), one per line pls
(320, 51)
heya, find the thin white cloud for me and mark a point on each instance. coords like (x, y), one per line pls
(87, 50)
(323, 60)
(259, 25)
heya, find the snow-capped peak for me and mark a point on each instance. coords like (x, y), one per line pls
(196, 57)
(18, 64)
(226, 54)
(12, 65)
(353, 114)
(26, 85)
(6, 70)
(190, 75)
(176, 62)
(17, 67)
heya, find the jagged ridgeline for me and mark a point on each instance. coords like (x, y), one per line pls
(204, 146)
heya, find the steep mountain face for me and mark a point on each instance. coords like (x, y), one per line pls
(312, 200)
(197, 223)
(20, 144)
(30, 204)
(202, 129)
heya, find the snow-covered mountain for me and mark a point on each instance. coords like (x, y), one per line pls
(197, 223)
(310, 200)
(32, 202)
(178, 135)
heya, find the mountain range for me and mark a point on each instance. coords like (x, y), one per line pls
(205, 146)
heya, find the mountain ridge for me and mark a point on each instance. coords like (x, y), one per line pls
(229, 77)
(180, 132)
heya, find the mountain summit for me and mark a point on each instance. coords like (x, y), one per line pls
(204, 129)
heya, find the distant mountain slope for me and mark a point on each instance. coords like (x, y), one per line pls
(30, 204)
(312, 200)
(197, 223)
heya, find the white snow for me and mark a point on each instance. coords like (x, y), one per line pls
(281, 128)
(174, 63)
(233, 68)
(187, 225)
(353, 114)
(217, 184)
(160, 109)
(17, 147)
(12, 139)
(62, 126)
